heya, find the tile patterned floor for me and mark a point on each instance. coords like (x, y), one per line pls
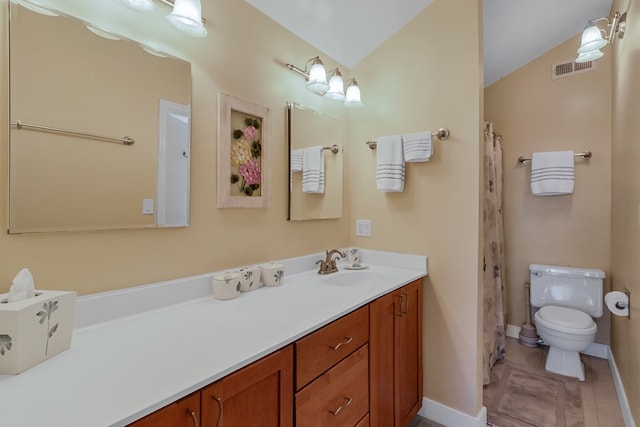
(599, 398)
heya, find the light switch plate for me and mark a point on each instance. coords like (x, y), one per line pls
(147, 206)
(363, 227)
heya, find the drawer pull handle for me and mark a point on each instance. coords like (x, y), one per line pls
(347, 340)
(340, 408)
(405, 303)
(219, 402)
(194, 417)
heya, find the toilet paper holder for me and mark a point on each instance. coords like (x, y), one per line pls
(627, 305)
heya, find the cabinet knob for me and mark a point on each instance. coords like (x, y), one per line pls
(347, 340)
(340, 408)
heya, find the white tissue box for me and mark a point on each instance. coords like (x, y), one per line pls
(34, 329)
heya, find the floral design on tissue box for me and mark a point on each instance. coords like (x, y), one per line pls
(49, 307)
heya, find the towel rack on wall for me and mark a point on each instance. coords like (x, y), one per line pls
(441, 134)
(127, 140)
(584, 155)
(334, 149)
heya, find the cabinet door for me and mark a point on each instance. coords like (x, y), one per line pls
(408, 346)
(382, 314)
(260, 395)
(395, 341)
(183, 413)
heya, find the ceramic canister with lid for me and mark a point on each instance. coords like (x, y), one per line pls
(226, 286)
(272, 274)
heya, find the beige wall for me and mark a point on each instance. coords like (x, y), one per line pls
(422, 80)
(625, 200)
(535, 113)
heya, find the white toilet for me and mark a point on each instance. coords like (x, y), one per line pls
(568, 298)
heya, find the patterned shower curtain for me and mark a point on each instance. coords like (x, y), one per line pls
(493, 276)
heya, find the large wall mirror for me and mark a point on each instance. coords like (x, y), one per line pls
(307, 129)
(69, 88)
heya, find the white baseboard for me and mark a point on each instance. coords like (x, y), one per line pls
(622, 395)
(447, 416)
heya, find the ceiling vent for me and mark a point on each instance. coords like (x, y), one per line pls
(570, 68)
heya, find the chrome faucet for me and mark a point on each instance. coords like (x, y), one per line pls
(328, 265)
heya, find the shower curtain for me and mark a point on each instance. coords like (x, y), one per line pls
(493, 273)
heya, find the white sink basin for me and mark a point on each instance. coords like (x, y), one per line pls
(353, 278)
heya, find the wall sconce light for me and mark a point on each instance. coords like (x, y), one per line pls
(186, 15)
(316, 81)
(594, 38)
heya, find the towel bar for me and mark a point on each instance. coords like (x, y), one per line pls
(584, 155)
(441, 134)
(334, 149)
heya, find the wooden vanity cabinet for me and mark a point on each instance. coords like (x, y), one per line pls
(183, 413)
(332, 373)
(260, 395)
(395, 345)
(360, 370)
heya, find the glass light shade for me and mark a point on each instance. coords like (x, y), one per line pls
(591, 40)
(187, 16)
(317, 81)
(353, 95)
(589, 56)
(36, 6)
(140, 5)
(336, 87)
(102, 33)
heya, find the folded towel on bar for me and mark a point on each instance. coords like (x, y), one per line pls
(296, 160)
(552, 173)
(390, 164)
(417, 147)
(313, 170)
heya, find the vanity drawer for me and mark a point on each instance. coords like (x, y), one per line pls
(322, 349)
(339, 397)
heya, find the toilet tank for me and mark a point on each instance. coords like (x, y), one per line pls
(579, 288)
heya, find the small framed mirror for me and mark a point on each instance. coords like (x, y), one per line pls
(312, 130)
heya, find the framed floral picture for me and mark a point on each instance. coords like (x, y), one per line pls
(244, 168)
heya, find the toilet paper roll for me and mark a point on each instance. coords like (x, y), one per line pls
(617, 302)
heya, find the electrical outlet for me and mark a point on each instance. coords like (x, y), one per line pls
(363, 227)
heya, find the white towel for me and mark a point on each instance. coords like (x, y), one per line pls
(417, 147)
(390, 164)
(313, 170)
(552, 173)
(296, 166)
(296, 160)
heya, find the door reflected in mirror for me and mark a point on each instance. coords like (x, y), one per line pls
(308, 130)
(63, 76)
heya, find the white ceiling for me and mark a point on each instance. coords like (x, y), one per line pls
(515, 31)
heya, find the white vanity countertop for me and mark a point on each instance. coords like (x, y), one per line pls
(119, 370)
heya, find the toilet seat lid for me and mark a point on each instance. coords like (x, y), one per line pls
(565, 317)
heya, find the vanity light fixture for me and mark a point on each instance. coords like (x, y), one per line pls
(316, 81)
(594, 38)
(336, 86)
(187, 16)
(36, 6)
(353, 95)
